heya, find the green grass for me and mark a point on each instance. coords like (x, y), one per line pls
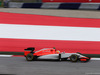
(92, 55)
(0, 3)
(12, 53)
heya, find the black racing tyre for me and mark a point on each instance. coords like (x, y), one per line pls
(29, 57)
(74, 58)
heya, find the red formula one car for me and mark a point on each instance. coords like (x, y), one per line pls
(53, 54)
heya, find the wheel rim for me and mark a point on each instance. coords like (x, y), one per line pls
(73, 58)
(29, 57)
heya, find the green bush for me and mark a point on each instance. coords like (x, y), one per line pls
(0, 3)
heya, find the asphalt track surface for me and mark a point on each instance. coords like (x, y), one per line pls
(19, 66)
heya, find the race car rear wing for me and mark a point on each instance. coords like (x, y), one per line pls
(28, 50)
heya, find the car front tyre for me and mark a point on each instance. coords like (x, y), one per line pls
(73, 58)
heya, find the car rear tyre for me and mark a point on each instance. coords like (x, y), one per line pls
(73, 58)
(29, 57)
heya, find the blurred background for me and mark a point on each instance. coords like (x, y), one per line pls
(42, 1)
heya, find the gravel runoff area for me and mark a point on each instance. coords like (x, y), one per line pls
(19, 66)
(55, 12)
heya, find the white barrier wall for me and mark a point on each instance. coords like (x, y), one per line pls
(15, 5)
(89, 6)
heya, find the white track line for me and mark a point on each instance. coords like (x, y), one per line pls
(6, 55)
(95, 58)
(49, 32)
